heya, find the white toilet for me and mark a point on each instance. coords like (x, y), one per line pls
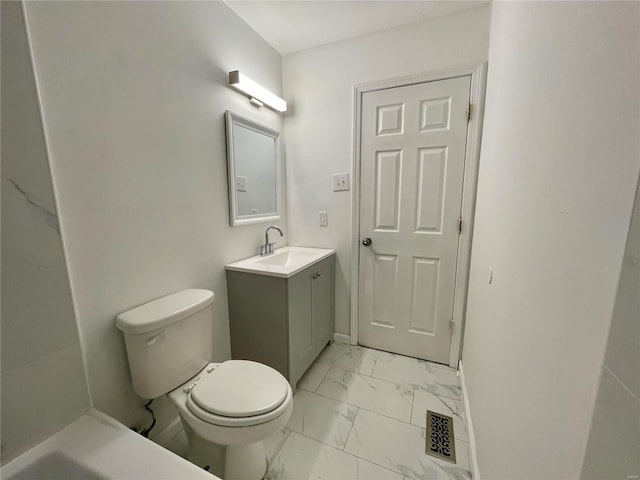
(236, 403)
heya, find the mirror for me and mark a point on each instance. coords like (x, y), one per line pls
(253, 161)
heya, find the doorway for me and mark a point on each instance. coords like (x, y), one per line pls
(417, 143)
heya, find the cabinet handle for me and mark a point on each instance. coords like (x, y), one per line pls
(316, 275)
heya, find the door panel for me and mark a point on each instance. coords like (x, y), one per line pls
(412, 167)
(384, 299)
(431, 176)
(424, 299)
(300, 321)
(387, 201)
(322, 302)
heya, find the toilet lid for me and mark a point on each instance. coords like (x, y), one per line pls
(240, 388)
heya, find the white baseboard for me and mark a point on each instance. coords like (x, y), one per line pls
(164, 436)
(341, 338)
(475, 471)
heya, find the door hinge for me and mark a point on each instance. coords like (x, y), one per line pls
(451, 324)
(460, 225)
(469, 112)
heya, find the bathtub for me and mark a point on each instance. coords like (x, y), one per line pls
(96, 446)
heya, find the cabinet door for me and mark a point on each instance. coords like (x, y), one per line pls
(301, 330)
(258, 319)
(322, 302)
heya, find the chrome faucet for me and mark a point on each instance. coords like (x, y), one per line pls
(267, 248)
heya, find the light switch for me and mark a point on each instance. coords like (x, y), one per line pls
(340, 182)
(323, 218)
(241, 183)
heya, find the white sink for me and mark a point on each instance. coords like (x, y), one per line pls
(289, 257)
(284, 262)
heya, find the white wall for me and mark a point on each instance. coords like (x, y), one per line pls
(613, 450)
(43, 381)
(134, 95)
(558, 171)
(319, 85)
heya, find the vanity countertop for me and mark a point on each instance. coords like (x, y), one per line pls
(284, 262)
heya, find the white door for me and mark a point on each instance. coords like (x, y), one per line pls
(412, 166)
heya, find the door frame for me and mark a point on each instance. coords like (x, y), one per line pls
(478, 74)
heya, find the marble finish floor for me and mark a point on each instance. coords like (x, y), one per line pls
(360, 413)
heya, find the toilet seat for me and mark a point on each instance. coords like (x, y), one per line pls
(238, 393)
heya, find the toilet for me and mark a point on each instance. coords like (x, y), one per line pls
(237, 403)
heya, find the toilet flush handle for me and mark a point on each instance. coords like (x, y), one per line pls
(155, 339)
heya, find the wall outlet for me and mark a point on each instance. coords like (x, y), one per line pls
(340, 182)
(323, 218)
(241, 184)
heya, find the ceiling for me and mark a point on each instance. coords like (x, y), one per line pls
(292, 25)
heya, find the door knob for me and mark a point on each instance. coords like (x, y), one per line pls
(366, 241)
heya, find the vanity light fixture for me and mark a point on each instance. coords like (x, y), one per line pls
(258, 95)
(255, 102)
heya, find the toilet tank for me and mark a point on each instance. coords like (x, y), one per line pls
(168, 340)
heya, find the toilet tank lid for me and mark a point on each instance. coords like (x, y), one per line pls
(164, 311)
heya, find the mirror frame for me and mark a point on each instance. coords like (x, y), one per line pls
(235, 220)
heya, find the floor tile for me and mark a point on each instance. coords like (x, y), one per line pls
(273, 442)
(373, 394)
(322, 419)
(423, 401)
(463, 457)
(349, 357)
(412, 373)
(303, 458)
(313, 376)
(373, 405)
(400, 447)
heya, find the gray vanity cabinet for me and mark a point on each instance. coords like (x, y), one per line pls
(282, 322)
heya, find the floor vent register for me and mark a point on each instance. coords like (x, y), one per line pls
(440, 440)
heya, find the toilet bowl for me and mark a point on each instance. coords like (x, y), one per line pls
(238, 404)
